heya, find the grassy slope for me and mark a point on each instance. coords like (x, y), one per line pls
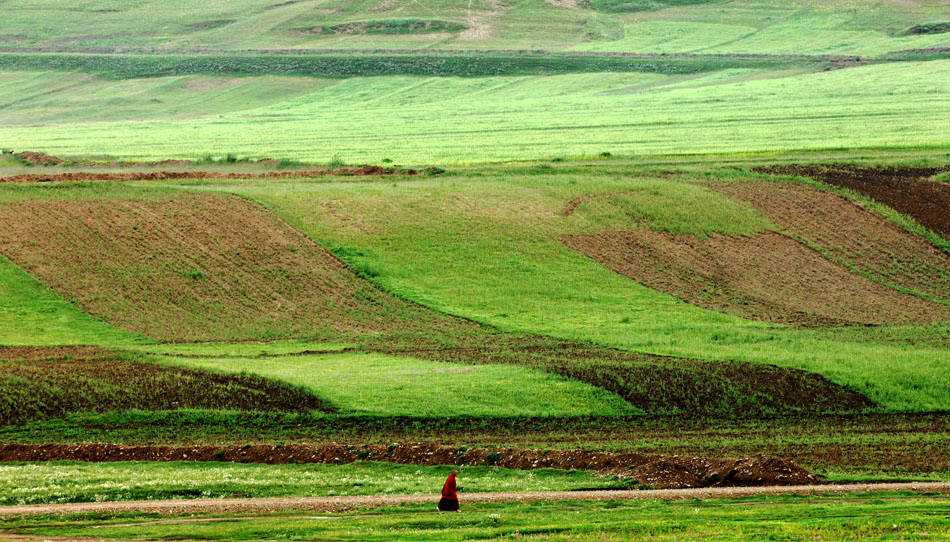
(33, 314)
(831, 26)
(456, 120)
(382, 385)
(496, 235)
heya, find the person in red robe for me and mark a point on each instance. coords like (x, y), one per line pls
(450, 499)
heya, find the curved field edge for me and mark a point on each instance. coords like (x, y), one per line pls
(198, 258)
(39, 383)
(481, 213)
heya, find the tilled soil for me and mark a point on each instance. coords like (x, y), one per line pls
(653, 470)
(769, 277)
(849, 232)
(339, 504)
(198, 268)
(905, 189)
(167, 175)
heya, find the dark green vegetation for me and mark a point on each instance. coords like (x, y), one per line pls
(389, 26)
(860, 516)
(331, 65)
(40, 383)
(622, 6)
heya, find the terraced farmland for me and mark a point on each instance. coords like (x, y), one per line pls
(327, 251)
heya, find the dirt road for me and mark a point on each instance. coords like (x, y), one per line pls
(336, 504)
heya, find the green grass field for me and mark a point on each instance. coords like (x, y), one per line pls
(381, 385)
(887, 516)
(451, 121)
(741, 26)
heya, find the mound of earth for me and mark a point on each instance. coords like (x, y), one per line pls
(869, 242)
(37, 158)
(768, 277)
(199, 268)
(674, 386)
(653, 470)
(905, 189)
(166, 175)
(88, 380)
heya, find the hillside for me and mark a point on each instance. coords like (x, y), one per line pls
(655, 26)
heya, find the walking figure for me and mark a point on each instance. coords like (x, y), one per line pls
(450, 499)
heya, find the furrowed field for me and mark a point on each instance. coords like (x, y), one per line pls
(293, 262)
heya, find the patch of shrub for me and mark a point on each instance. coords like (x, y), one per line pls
(624, 6)
(390, 26)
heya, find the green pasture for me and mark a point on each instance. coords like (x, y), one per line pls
(62, 482)
(741, 26)
(415, 120)
(887, 516)
(485, 246)
(381, 385)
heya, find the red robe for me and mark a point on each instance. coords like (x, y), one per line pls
(448, 490)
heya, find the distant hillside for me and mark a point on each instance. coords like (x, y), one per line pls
(738, 26)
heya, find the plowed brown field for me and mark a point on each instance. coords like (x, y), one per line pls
(903, 188)
(198, 268)
(858, 236)
(769, 277)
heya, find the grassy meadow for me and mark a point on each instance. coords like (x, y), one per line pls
(861, 516)
(738, 26)
(417, 120)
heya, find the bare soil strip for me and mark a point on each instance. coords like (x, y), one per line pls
(902, 188)
(168, 175)
(661, 471)
(871, 243)
(751, 277)
(339, 504)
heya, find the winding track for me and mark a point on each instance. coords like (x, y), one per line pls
(336, 504)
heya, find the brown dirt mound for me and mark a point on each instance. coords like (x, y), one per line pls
(654, 470)
(99, 381)
(166, 175)
(851, 233)
(905, 189)
(752, 277)
(199, 268)
(38, 158)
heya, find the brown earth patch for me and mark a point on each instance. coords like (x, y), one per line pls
(37, 158)
(653, 470)
(905, 189)
(166, 175)
(869, 242)
(768, 277)
(198, 268)
(99, 381)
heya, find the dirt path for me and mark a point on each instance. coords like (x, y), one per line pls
(336, 504)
